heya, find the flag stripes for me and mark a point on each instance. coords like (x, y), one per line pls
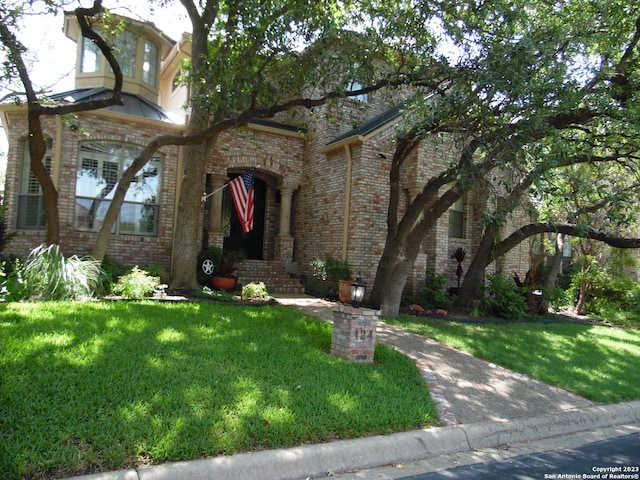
(242, 193)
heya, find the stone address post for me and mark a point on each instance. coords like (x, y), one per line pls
(354, 333)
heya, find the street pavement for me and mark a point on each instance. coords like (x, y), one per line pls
(482, 406)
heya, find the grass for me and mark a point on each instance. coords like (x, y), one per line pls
(597, 362)
(106, 385)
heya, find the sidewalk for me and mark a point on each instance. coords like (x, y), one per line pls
(483, 406)
(465, 389)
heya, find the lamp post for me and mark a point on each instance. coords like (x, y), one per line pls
(357, 291)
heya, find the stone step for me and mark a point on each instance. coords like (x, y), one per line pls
(272, 273)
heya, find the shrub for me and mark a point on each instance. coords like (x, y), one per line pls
(331, 269)
(136, 284)
(219, 295)
(255, 290)
(12, 287)
(434, 294)
(326, 273)
(48, 275)
(502, 299)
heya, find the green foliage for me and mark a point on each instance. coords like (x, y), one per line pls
(112, 268)
(255, 290)
(331, 269)
(218, 295)
(155, 270)
(326, 274)
(502, 299)
(136, 284)
(434, 294)
(12, 286)
(48, 275)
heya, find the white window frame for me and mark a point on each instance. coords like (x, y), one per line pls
(96, 183)
(150, 63)
(31, 213)
(91, 56)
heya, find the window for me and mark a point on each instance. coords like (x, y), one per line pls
(99, 168)
(150, 64)
(31, 214)
(90, 57)
(355, 85)
(125, 53)
(456, 219)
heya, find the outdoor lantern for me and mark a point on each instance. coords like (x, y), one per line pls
(357, 291)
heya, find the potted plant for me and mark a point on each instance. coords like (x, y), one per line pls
(224, 277)
(338, 270)
(458, 255)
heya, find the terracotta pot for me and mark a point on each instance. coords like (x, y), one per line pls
(344, 291)
(223, 283)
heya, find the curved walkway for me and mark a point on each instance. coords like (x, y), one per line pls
(464, 388)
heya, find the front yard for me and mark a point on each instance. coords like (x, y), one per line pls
(105, 385)
(598, 362)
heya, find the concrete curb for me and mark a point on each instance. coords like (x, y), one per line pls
(340, 456)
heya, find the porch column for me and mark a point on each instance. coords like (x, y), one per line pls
(216, 236)
(284, 240)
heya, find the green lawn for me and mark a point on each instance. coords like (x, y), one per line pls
(107, 385)
(599, 363)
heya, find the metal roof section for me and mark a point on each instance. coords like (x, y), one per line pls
(366, 129)
(133, 104)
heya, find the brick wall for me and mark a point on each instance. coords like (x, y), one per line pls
(127, 249)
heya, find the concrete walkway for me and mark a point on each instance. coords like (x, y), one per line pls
(465, 389)
(482, 406)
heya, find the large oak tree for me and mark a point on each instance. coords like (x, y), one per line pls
(524, 75)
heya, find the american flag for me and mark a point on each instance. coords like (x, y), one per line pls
(242, 193)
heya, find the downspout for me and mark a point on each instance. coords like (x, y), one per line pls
(57, 154)
(347, 203)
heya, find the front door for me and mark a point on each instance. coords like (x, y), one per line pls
(250, 243)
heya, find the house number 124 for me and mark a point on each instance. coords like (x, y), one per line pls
(363, 334)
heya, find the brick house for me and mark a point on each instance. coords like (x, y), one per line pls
(324, 193)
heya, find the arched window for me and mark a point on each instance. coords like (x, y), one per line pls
(456, 219)
(100, 167)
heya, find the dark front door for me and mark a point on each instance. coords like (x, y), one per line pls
(250, 243)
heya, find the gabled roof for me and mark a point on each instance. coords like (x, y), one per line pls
(366, 129)
(133, 104)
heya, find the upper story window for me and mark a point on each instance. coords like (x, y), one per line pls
(99, 169)
(456, 219)
(90, 57)
(355, 85)
(125, 53)
(31, 213)
(150, 64)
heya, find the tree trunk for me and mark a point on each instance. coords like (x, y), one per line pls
(37, 151)
(186, 242)
(474, 278)
(582, 298)
(554, 271)
(393, 270)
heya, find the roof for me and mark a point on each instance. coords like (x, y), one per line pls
(370, 125)
(133, 104)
